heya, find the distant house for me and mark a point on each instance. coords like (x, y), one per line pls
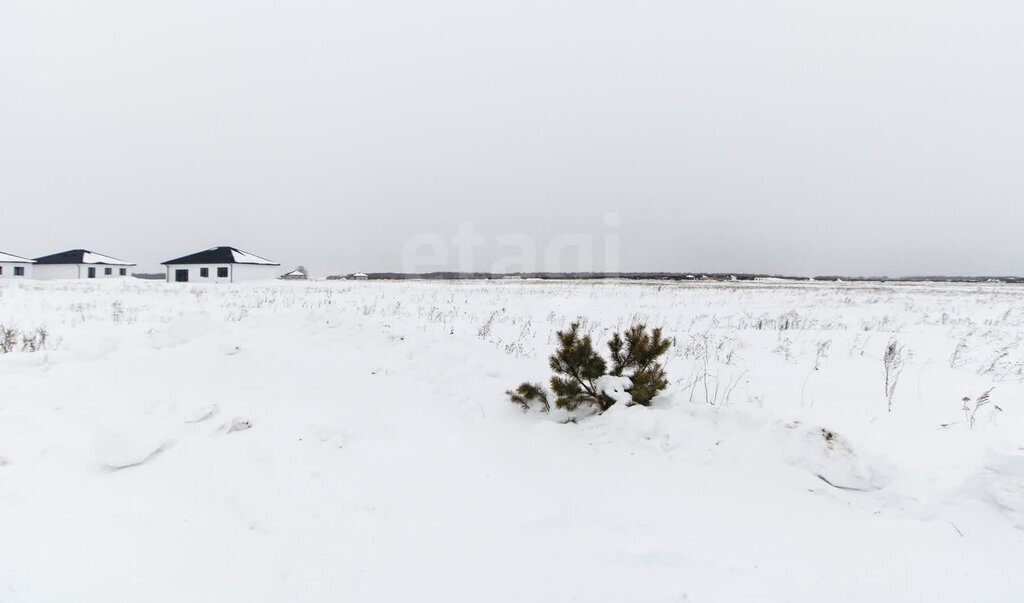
(13, 266)
(359, 276)
(220, 265)
(79, 263)
(294, 275)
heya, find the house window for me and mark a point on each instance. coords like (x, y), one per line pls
(122, 271)
(19, 271)
(181, 275)
(204, 272)
(108, 271)
(1, 269)
(92, 272)
(222, 272)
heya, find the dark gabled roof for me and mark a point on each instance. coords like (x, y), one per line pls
(81, 256)
(221, 255)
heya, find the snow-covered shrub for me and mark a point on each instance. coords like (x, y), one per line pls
(582, 377)
(636, 355)
(577, 366)
(528, 393)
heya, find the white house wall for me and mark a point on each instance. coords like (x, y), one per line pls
(7, 269)
(195, 270)
(101, 271)
(49, 272)
(237, 273)
(255, 272)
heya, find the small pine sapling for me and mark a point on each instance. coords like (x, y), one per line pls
(581, 374)
(528, 393)
(577, 367)
(636, 355)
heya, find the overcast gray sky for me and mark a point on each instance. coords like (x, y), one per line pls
(802, 137)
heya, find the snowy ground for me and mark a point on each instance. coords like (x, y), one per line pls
(352, 442)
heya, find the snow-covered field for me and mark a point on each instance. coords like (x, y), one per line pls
(349, 441)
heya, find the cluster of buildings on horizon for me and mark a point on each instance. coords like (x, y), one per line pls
(214, 265)
(230, 265)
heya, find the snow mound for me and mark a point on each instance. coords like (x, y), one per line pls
(1003, 479)
(239, 424)
(120, 450)
(179, 332)
(615, 388)
(202, 413)
(828, 456)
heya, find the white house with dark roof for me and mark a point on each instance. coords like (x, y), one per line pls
(294, 275)
(13, 266)
(220, 265)
(79, 263)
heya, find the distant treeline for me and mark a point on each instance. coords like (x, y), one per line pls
(671, 276)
